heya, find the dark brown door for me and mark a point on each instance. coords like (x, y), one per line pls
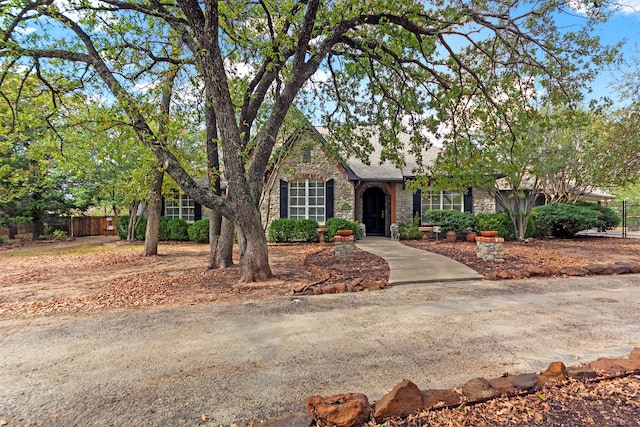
(373, 211)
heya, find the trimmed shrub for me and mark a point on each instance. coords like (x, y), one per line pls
(282, 230)
(449, 220)
(500, 221)
(199, 231)
(335, 224)
(177, 229)
(607, 217)
(123, 224)
(563, 219)
(306, 230)
(410, 232)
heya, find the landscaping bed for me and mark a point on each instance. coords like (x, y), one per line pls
(545, 257)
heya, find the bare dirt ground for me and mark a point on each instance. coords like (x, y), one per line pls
(96, 275)
(104, 274)
(550, 254)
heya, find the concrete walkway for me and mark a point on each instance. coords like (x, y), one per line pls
(410, 265)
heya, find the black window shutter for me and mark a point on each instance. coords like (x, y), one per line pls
(197, 211)
(284, 199)
(329, 197)
(417, 204)
(468, 201)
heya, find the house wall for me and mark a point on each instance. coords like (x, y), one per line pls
(483, 202)
(321, 167)
(404, 205)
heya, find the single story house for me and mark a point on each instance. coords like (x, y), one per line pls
(310, 183)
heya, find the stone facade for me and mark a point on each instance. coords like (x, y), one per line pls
(483, 202)
(404, 205)
(318, 167)
(490, 248)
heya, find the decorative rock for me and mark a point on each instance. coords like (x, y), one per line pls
(329, 289)
(581, 372)
(635, 354)
(440, 398)
(525, 381)
(504, 275)
(598, 268)
(478, 389)
(342, 410)
(574, 271)
(555, 370)
(611, 366)
(503, 385)
(621, 269)
(404, 399)
(536, 271)
(635, 268)
(340, 287)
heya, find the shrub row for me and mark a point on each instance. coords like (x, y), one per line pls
(170, 229)
(291, 230)
(554, 219)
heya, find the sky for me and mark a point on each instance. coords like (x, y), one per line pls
(624, 25)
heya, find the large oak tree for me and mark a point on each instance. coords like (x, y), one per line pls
(386, 63)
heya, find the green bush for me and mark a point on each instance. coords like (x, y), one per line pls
(199, 231)
(60, 234)
(563, 219)
(282, 230)
(305, 230)
(177, 229)
(123, 224)
(335, 224)
(607, 217)
(1, 240)
(410, 232)
(500, 221)
(450, 220)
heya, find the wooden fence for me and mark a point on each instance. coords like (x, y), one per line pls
(92, 226)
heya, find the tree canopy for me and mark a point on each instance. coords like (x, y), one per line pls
(386, 63)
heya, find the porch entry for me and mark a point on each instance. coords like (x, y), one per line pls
(373, 211)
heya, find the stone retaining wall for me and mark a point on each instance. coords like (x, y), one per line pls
(490, 248)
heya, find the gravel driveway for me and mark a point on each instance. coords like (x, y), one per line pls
(221, 364)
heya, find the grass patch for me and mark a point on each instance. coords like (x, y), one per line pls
(41, 249)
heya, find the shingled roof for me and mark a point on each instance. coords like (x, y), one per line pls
(386, 171)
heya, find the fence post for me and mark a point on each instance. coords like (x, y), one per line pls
(624, 219)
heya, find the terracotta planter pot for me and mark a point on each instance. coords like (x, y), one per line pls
(345, 232)
(489, 233)
(471, 236)
(451, 236)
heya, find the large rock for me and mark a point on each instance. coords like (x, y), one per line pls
(440, 398)
(525, 381)
(342, 410)
(621, 268)
(581, 372)
(290, 420)
(599, 268)
(635, 354)
(615, 366)
(555, 370)
(404, 399)
(503, 385)
(574, 271)
(534, 270)
(478, 389)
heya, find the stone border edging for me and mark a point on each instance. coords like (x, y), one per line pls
(354, 409)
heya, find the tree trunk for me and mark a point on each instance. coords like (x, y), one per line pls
(254, 262)
(223, 255)
(13, 230)
(154, 211)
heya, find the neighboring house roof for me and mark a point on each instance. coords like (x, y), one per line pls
(386, 171)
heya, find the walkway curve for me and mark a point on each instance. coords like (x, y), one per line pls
(411, 265)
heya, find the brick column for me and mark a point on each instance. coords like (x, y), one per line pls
(490, 248)
(344, 247)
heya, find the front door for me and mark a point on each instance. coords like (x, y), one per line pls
(373, 211)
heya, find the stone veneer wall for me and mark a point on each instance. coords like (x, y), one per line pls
(404, 205)
(483, 202)
(321, 167)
